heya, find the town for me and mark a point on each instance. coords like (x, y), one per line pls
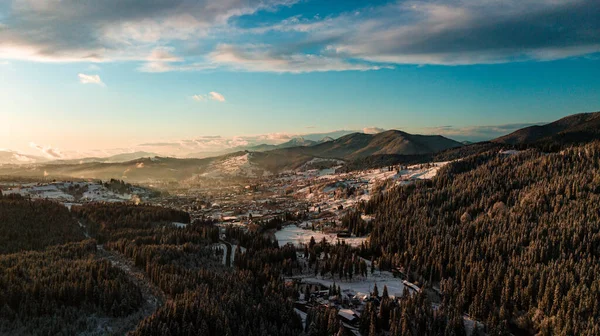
(300, 209)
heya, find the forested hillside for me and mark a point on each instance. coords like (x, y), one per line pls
(57, 291)
(513, 240)
(33, 225)
(208, 298)
(102, 219)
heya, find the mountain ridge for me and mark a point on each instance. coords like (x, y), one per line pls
(570, 129)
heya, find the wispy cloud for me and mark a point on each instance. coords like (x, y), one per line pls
(90, 79)
(48, 151)
(199, 97)
(210, 96)
(270, 58)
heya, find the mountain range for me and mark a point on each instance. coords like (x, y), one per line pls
(295, 142)
(359, 145)
(356, 150)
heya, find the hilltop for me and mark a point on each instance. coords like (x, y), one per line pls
(577, 128)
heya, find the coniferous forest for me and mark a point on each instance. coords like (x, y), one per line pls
(299, 168)
(510, 240)
(513, 240)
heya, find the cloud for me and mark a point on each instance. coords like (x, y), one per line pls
(84, 31)
(48, 151)
(90, 79)
(372, 130)
(216, 96)
(210, 96)
(160, 60)
(454, 32)
(201, 35)
(269, 58)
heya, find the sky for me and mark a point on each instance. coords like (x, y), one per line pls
(101, 77)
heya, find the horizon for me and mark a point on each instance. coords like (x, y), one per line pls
(211, 146)
(202, 76)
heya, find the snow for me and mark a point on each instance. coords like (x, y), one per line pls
(59, 191)
(313, 161)
(360, 285)
(302, 315)
(241, 165)
(295, 235)
(50, 191)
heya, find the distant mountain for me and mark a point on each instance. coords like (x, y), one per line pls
(242, 163)
(304, 140)
(123, 157)
(12, 157)
(576, 128)
(360, 145)
(318, 137)
(295, 142)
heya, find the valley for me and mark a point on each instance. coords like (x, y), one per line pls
(337, 246)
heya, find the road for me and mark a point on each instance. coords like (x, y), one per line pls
(229, 252)
(153, 296)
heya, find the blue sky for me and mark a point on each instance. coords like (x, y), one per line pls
(82, 77)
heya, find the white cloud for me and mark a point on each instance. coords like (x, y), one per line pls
(210, 96)
(373, 130)
(90, 79)
(48, 151)
(216, 96)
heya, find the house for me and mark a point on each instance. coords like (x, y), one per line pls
(348, 316)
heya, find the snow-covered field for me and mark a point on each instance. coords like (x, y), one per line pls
(235, 166)
(50, 191)
(360, 285)
(60, 191)
(295, 235)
